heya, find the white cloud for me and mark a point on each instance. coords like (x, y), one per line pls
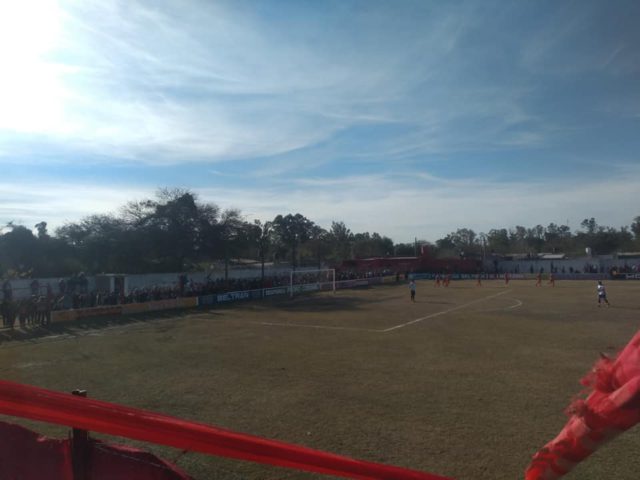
(31, 91)
(400, 207)
(61, 202)
(123, 81)
(393, 206)
(216, 82)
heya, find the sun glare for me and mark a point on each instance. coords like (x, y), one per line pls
(30, 87)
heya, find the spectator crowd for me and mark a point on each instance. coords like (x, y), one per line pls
(74, 293)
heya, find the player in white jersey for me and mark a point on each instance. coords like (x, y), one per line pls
(602, 294)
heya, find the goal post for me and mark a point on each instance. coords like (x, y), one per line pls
(309, 280)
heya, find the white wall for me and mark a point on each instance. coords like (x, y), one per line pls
(603, 263)
(21, 287)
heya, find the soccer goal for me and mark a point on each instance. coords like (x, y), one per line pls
(302, 281)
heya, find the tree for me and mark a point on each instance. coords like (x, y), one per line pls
(319, 244)
(290, 232)
(590, 225)
(518, 239)
(535, 238)
(461, 242)
(99, 242)
(18, 249)
(231, 233)
(42, 230)
(172, 232)
(635, 228)
(404, 249)
(447, 247)
(498, 241)
(176, 218)
(261, 234)
(371, 245)
(342, 240)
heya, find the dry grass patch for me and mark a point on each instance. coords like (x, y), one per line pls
(470, 393)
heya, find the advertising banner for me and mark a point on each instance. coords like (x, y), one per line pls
(132, 308)
(256, 294)
(70, 315)
(187, 302)
(313, 287)
(205, 300)
(63, 316)
(422, 276)
(269, 292)
(233, 296)
(362, 282)
(625, 276)
(168, 304)
(105, 310)
(353, 283)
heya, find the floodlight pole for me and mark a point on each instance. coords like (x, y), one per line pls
(334, 280)
(291, 284)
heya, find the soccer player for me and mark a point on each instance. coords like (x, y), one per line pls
(479, 282)
(602, 294)
(552, 280)
(506, 278)
(412, 288)
(437, 280)
(539, 280)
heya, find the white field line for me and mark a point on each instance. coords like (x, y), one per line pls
(319, 327)
(142, 325)
(136, 325)
(518, 304)
(328, 327)
(443, 312)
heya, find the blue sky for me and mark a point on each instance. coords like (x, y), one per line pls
(406, 118)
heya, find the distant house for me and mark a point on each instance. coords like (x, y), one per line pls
(551, 256)
(629, 255)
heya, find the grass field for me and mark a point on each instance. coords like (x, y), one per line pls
(467, 382)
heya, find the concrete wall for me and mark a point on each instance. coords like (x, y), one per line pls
(172, 279)
(601, 264)
(21, 287)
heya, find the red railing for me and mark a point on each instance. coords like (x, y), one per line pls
(93, 415)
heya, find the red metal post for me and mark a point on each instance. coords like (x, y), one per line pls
(80, 448)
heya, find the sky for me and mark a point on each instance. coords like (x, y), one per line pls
(407, 118)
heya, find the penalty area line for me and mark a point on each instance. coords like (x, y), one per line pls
(372, 330)
(319, 327)
(443, 312)
(518, 304)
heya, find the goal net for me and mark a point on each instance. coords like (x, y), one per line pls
(302, 281)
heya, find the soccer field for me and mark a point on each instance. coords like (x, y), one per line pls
(467, 382)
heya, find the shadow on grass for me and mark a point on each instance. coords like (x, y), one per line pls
(78, 328)
(622, 307)
(311, 302)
